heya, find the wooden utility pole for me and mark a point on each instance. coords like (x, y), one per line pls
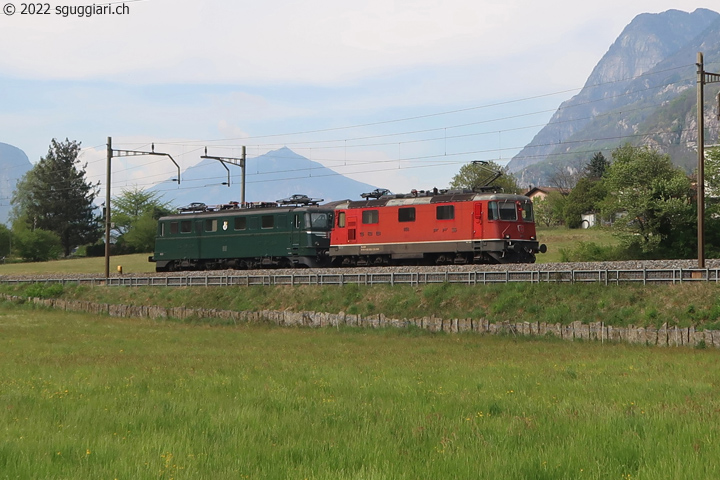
(107, 208)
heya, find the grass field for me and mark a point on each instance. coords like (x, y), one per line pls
(88, 397)
(561, 238)
(132, 264)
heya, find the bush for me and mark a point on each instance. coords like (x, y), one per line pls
(592, 252)
(37, 245)
(43, 290)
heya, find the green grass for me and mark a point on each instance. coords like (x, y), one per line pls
(88, 397)
(561, 238)
(683, 305)
(132, 264)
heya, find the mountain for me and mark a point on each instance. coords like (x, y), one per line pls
(642, 91)
(274, 175)
(13, 165)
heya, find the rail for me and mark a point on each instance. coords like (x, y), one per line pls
(605, 276)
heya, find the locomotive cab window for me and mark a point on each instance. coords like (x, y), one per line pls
(211, 225)
(508, 211)
(445, 212)
(161, 229)
(317, 221)
(186, 226)
(268, 221)
(406, 214)
(370, 217)
(341, 220)
(174, 227)
(240, 223)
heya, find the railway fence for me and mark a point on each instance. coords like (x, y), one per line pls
(476, 277)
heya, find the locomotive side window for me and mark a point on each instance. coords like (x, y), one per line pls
(268, 221)
(406, 214)
(370, 216)
(527, 211)
(186, 226)
(445, 212)
(174, 227)
(240, 223)
(341, 220)
(508, 211)
(211, 225)
(493, 213)
(161, 229)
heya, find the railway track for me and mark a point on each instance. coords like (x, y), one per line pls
(645, 272)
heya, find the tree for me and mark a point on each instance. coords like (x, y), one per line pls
(54, 196)
(5, 241)
(597, 167)
(712, 202)
(475, 175)
(652, 200)
(132, 204)
(135, 213)
(35, 245)
(549, 210)
(565, 177)
(586, 197)
(712, 171)
(141, 237)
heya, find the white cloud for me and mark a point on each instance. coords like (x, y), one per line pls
(315, 42)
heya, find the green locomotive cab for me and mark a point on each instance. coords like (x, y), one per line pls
(244, 238)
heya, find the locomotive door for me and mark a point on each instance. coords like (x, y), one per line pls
(295, 224)
(477, 221)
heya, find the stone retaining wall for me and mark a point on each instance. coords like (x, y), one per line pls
(663, 336)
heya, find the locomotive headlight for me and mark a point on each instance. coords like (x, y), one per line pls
(507, 237)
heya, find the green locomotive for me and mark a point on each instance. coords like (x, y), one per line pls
(254, 236)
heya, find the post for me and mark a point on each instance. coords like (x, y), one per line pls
(107, 208)
(242, 195)
(701, 162)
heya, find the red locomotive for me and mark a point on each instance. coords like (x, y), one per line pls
(446, 227)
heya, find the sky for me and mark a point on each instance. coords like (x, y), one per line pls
(397, 94)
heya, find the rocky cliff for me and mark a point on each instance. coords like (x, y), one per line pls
(642, 91)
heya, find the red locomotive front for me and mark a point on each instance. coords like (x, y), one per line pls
(447, 228)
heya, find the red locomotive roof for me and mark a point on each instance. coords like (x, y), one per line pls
(400, 200)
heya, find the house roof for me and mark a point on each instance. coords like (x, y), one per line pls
(544, 190)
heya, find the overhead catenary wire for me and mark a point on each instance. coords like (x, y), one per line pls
(411, 161)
